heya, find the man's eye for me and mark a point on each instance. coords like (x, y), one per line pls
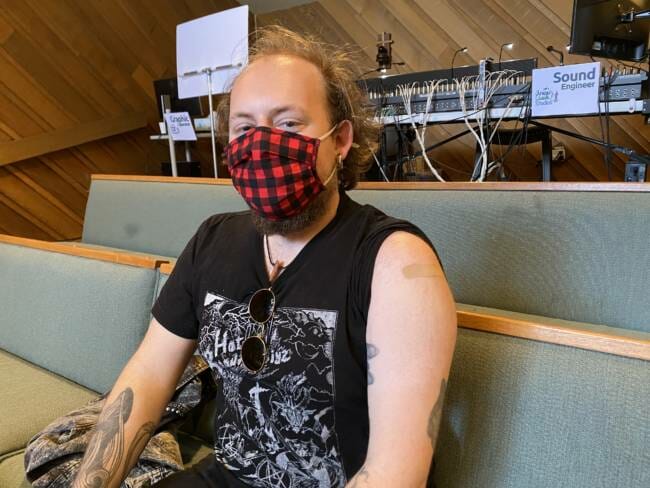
(242, 128)
(289, 124)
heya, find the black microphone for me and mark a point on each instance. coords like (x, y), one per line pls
(384, 51)
(551, 49)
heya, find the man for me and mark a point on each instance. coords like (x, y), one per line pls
(329, 326)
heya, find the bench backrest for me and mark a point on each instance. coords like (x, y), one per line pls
(573, 251)
(527, 413)
(80, 317)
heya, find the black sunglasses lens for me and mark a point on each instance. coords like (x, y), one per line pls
(253, 353)
(262, 305)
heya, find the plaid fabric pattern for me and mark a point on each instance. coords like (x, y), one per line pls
(274, 171)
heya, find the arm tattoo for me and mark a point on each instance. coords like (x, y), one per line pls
(360, 479)
(436, 415)
(105, 452)
(137, 445)
(371, 352)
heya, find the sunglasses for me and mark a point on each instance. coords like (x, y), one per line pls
(254, 350)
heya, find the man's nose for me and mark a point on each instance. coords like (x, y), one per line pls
(264, 121)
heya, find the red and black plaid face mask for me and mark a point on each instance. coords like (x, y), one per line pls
(275, 170)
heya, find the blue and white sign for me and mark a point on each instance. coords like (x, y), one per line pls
(566, 90)
(179, 126)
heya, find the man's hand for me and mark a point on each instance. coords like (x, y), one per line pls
(411, 335)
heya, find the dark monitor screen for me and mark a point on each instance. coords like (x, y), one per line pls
(596, 30)
(169, 87)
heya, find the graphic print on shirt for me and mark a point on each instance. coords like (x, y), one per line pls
(274, 428)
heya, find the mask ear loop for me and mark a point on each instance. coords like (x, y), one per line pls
(329, 132)
(339, 160)
(338, 166)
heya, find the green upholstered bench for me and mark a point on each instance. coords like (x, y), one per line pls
(31, 398)
(69, 321)
(573, 251)
(532, 401)
(535, 402)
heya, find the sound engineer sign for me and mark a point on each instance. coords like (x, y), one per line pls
(566, 90)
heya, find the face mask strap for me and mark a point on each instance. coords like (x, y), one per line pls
(337, 166)
(329, 132)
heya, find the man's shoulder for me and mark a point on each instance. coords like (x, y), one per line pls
(219, 221)
(223, 227)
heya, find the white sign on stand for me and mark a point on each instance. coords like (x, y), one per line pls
(217, 42)
(566, 90)
(179, 126)
(210, 51)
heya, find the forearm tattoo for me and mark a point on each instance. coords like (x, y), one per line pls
(371, 352)
(105, 452)
(436, 415)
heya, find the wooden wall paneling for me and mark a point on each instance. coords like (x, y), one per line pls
(27, 215)
(6, 133)
(15, 223)
(30, 58)
(199, 8)
(146, 22)
(410, 50)
(70, 169)
(147, 56)
(422, 29)
(339, 11)
(164, 12)
(5, 30)
(128, 155)
(38, 205)
(67, 137)
(24, 88)
(86, 44)
(67, 64)
(124, 55)
(57, 193)
(448, 19)
(562, 8)
(22, 125)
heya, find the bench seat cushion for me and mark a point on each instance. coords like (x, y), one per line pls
(31, 398)
(12, 470)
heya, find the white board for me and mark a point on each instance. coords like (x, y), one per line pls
(218, 42)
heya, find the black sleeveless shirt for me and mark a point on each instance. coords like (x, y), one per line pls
(303, 419)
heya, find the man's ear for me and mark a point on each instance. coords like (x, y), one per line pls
(344, 138)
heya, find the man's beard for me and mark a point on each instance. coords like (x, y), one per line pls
(314, 211)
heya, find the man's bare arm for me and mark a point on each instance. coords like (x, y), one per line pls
(134, 408)
(411, 335)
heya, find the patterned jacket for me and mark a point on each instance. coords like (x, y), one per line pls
(53, 456)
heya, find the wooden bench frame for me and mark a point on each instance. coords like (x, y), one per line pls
(486, 186)
(118, 257)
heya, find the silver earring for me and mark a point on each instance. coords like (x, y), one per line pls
(339, 161)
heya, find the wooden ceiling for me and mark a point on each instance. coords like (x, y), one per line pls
(76, 93)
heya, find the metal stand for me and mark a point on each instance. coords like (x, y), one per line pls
(506, 137)
(172, 150)
(208, 72)
(644, 158)
(212, 138)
